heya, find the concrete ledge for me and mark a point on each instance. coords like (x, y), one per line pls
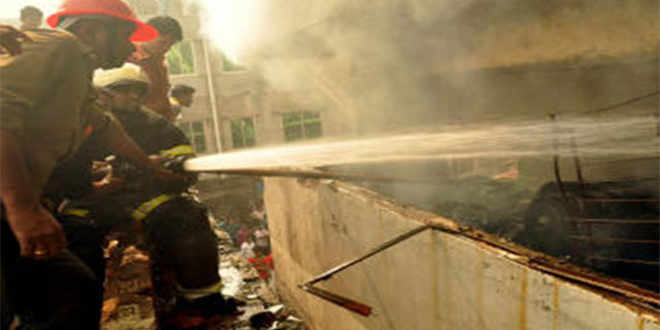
(435, 280)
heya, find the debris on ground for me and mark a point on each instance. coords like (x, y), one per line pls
(128, 290)
(128, 297)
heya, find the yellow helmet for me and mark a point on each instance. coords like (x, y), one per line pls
(128, 74)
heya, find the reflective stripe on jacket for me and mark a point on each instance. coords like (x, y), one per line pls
(142, 211)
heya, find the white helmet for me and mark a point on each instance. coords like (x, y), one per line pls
(128, 74)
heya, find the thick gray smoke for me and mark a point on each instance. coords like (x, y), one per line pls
(456, 65)
(399, 63)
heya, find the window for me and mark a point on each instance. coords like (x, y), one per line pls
(301, 125)
(195, 133)
(242, 132)
(181, 59)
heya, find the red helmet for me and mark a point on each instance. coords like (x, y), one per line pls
(114, 8)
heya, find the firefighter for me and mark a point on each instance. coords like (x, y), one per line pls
(47, 108)
(175, 226)
(181, 96)
(150, 56)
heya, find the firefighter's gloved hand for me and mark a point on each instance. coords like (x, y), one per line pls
(157, 160)
(101, 170)
(106, 186)
(174, 166)
(10, 39)
(39, 235)
(176, 163)
(171, 163)
(171, 180)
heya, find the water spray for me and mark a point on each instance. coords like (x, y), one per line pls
(630, 136)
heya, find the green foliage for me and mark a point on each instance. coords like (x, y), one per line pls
(181, 59)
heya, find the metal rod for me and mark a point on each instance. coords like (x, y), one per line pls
(328, 274)
(555, 160)
(578, 164)
(617, 221)
(627, 261)
(212, 97)
(614, 240)
(556, 166)
(624, 103)
(351, 305)
(310, 174)
(581, 209)
(344, 302)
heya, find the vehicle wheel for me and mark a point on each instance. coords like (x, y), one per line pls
(548, 228)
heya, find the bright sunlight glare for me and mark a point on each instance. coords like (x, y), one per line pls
(12, 8)
(231, 25)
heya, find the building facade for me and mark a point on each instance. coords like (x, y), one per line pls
(234, 107)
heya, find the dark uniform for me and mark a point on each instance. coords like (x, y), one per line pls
(174, 225)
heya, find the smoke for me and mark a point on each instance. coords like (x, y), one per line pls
(384, 65)
(230, 25)
(378, 67)
(375, 67)
(466, 71)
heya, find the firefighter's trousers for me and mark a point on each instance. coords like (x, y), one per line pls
(58, 293)
(180, 239)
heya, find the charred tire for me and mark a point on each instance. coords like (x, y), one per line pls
(548, 227)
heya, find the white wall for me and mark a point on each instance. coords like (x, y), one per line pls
(432, 281)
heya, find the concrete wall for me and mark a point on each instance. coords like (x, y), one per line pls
(433, 281)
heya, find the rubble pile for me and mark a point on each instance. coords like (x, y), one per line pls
(129, 294)
(128, 290)
(496, 206)
(264, 309)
